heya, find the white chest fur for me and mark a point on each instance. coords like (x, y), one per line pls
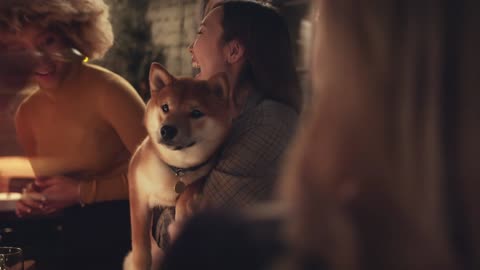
(155, 180)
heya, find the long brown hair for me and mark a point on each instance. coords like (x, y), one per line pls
(264, 34)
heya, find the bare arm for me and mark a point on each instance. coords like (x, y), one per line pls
(106, 187)
(121, 106)
(24, 130)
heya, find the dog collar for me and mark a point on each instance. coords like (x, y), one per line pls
(182, 171)
(179, 172)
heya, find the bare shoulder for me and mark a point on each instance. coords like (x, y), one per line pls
(110, 88)
(139, 151)
(31, 101)
(106, 81)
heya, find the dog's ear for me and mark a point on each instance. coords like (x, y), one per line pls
(219, 85)
(159, 77)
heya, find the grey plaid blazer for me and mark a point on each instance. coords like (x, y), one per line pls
(248, 163)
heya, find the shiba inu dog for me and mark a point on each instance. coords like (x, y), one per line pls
(187, 120)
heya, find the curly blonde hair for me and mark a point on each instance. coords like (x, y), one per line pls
(84, 23)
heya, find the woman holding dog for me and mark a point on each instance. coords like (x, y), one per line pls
(250, 43)
(80, 123)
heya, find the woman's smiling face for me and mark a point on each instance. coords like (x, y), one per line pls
(208, 52)
(48, 73)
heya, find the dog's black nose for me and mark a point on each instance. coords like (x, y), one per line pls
(168, 132)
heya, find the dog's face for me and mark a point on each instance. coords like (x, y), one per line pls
(187, 119)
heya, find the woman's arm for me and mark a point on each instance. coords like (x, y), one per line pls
(120, 106)
(24, 130)
(106, 187)
(243, 175)
(248, 166)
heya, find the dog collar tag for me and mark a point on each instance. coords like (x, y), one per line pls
(179, 187)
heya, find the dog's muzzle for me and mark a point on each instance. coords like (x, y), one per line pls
(167, 133)
(166, 136)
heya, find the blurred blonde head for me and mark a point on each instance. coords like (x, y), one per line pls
(85, 23)
(391, 145)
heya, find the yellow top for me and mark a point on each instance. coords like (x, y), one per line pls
(86, 129)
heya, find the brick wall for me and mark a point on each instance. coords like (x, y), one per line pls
(152, 30)
(129, 53)
(173, 28)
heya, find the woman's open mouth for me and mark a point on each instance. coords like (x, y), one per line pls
(45, 72)
(196, 67)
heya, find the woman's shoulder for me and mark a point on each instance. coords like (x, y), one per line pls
(103, 76)
(270, 114)
(105, 83)
(267, 121)
(258, 138)
(31, 98)
(278, 112)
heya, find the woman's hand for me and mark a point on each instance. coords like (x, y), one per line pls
(48, 195)
(60, 192)
(32, 203)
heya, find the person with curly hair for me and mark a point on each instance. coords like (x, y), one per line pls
(81, 122)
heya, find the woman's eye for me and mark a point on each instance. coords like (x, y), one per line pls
(165, 108)
(196, 114)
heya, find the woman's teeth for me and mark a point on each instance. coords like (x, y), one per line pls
(197, 68)
(43, 73)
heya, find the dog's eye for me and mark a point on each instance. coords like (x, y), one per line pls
(165, 108)
(196, 114)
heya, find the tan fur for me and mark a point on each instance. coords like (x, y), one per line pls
(151, 181)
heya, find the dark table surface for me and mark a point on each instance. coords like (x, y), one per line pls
(91, 237)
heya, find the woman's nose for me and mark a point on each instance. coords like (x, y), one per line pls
(190, 47)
